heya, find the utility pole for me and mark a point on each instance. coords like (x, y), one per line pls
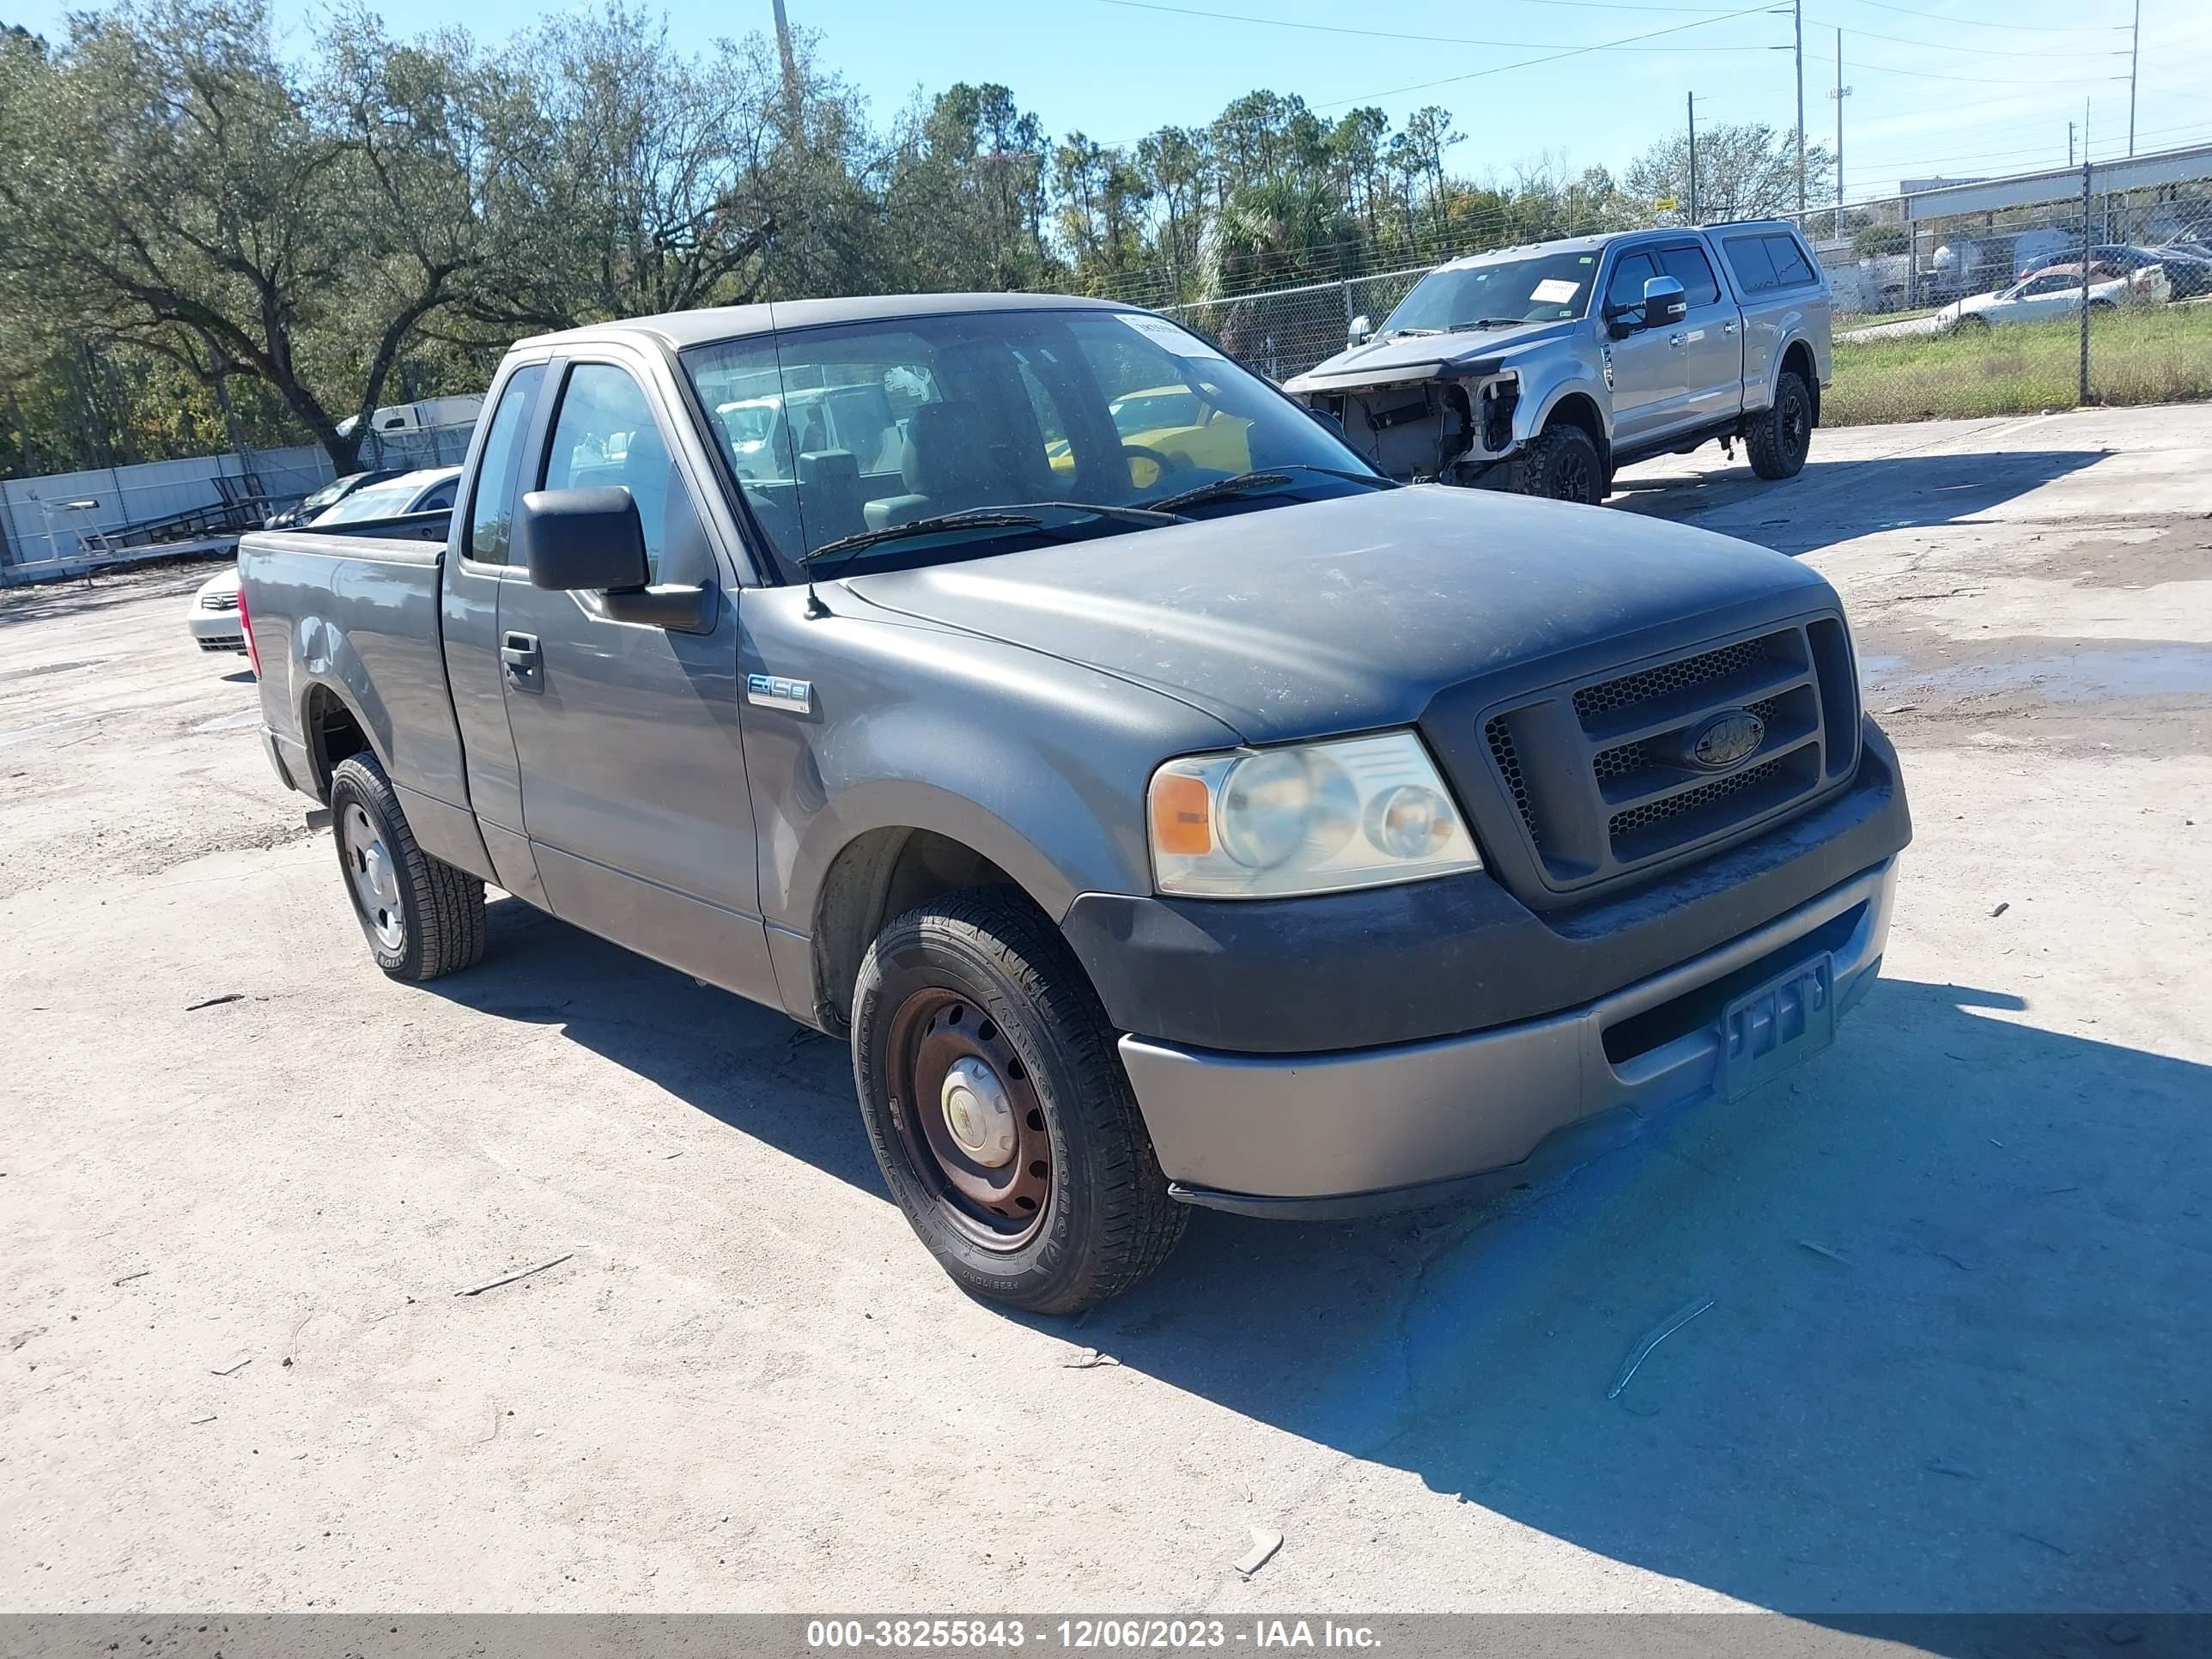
(2069, 143)
(1841, 92)
(2135, 45)
(1690, 100)
(1797, 26)
(791, 102)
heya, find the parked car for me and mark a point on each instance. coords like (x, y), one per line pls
(2187, 274)
(1284, 840)
(328, 496)
(213, 620)
(429, 490)
(2055, 291)
(1546, 369)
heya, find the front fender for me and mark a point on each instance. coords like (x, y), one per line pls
(1540, 400)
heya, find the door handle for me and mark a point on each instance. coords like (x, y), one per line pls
(519, 653)
(1728, 328)
(1676, 340)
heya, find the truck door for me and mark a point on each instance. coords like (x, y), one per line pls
(1646, 370)
(1712, 347)
(476, 565)
(634, 794)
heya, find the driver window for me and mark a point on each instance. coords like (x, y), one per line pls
(1626, 288)
(606, 435)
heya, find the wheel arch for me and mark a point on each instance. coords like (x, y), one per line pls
(1797, 356)
(1575, 405)
(332, 728)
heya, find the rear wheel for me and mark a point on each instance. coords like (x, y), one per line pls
(1780, 436)
(999, 1111)
(1560, 463)
(420, 916)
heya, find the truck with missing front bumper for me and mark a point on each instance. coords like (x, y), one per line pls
(1247, 831)
(1544, 370)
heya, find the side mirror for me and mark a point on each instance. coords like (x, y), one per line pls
(1361, 331)
(1664, 302)
(582, 539)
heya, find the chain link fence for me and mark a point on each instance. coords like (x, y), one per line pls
(1962, 301)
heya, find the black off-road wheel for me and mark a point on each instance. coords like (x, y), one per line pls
(420, 916)
(1560, 463)
(999, 1111)
(1780, 437)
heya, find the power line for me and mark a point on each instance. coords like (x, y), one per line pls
(1980, 51)
(1979, 23)
(1386, 34)
(1552, 57)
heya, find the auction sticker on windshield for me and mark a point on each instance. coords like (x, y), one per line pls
(1554, 291)
(1162, 332)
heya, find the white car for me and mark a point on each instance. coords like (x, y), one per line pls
(214, 618)
(2055, 291)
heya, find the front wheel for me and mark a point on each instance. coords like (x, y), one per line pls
(1780, 436)
(420, 916)
(1560, 463)
(999, 1111)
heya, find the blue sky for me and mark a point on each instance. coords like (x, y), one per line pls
(1938, 86)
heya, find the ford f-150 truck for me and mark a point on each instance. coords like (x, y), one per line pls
(1261, 835)
(1545, 370)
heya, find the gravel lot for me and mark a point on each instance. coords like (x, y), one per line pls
(1961, 1265)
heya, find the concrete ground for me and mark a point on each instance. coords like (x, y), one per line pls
(1960, 1266)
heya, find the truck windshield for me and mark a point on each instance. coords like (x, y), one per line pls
(833, 433)
(1542, 288)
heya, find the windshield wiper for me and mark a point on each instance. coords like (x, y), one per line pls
(1014, 515)
(1239, 483)
(1488, 322)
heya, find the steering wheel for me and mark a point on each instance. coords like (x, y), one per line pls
(1164, 463)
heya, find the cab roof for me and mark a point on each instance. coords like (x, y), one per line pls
(676, 330)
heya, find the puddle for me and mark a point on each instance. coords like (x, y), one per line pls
(2082, 677)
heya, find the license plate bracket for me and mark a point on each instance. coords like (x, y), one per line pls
(1766, 1031)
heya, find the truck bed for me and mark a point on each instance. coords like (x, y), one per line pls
(357, 603)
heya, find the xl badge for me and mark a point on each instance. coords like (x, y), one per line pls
(1725, 740)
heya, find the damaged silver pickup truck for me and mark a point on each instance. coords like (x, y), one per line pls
(1545, 370)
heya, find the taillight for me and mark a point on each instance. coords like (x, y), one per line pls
(245, 626)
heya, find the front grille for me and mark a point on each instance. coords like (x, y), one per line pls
(218, 601)
(1601, 775)
(1509, 768)
(1592, 702)
(235, 642)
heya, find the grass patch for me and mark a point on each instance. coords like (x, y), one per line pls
(2149, 355)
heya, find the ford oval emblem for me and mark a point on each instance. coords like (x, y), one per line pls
(1726, 739)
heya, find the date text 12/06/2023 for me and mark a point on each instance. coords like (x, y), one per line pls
(1085, 1635)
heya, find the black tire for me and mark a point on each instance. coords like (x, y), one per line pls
(431, 919)
(1971, 322)
(1105, 1219)
(1780, 436)
(1560, 463)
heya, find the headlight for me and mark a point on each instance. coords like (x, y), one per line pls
(1305, 819)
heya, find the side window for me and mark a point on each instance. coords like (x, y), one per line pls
(1753, 266)
(606, 435)
(1688, 266)
(1626, 286)
(1790, 270)
(439, 499)
(492, 509)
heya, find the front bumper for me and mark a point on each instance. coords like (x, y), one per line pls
(1335, 1134)
(217, 630)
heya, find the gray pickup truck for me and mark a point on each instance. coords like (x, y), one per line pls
(1546, 369)
(1250, 831)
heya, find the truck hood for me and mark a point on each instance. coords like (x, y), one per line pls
(1350, 614)
(1406, 359)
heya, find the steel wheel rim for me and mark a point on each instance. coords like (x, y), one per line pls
(952, 1073)
(371, 876)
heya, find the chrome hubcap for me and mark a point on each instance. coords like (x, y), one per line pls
(978, 1114)
(374, 879)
